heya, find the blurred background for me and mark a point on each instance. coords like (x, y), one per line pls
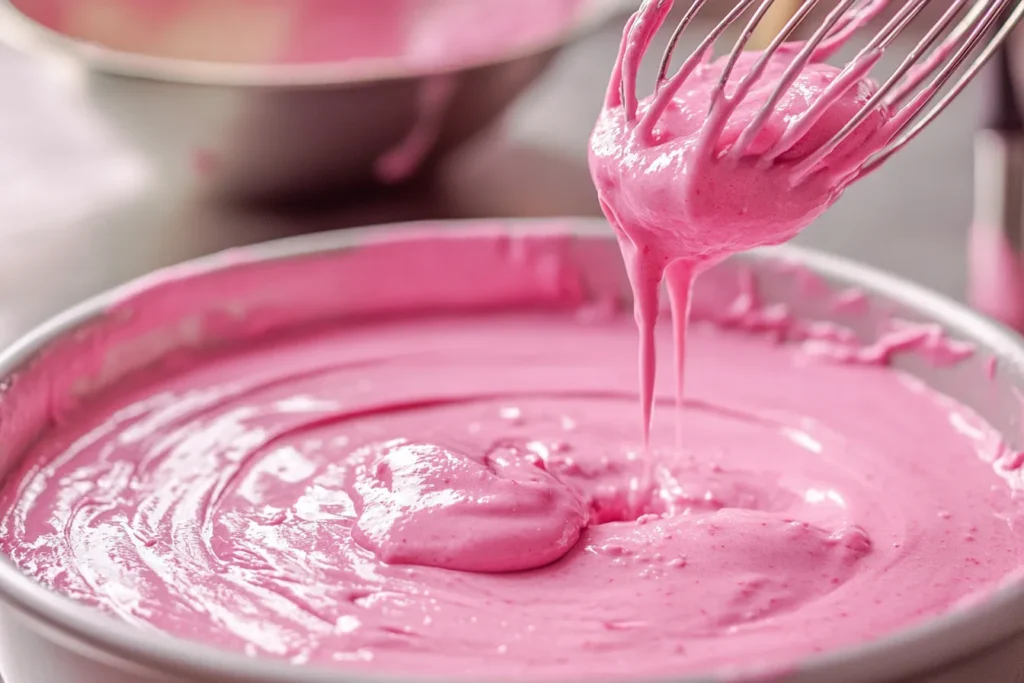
(172, 128)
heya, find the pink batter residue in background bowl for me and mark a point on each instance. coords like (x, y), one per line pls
(423, 34)
(342, 41)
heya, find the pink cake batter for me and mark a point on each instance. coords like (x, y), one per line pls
(678, 194)
(457, 494)
(425, 34)
(463, 493)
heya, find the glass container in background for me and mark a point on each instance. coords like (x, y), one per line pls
(996, 248)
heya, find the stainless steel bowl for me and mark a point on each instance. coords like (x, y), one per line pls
(281, 132)
(47, 638)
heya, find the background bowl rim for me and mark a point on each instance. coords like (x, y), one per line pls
(21, 31)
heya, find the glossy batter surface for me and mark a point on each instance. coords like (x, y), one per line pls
(465, 497)
(723, 157)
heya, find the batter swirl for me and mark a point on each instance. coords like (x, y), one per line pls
(465, 496)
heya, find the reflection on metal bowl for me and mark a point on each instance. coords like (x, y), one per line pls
(255, 119)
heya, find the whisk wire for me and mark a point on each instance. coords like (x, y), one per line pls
(782, 36)
(670, 86)
(873, 103)
(915, 76)
(990, 50)
(939, 56)
(914, 87)
(852, 21)
(900, 21)
(974, 27)
(850, 18)
(790, 75)
(637, 40)
(854, 70)
(741, 42)
(673, 41)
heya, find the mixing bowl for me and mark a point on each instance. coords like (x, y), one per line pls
(266, 131)
(46, 638)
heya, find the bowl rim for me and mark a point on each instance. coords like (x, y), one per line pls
(21, 31)
(969, 629)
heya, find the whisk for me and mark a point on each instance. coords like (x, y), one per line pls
(915, 92)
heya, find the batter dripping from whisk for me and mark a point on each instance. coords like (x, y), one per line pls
(728, 155)
(451, 493)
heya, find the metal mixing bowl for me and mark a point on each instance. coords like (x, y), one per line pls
(285, 131)
(47, 638)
